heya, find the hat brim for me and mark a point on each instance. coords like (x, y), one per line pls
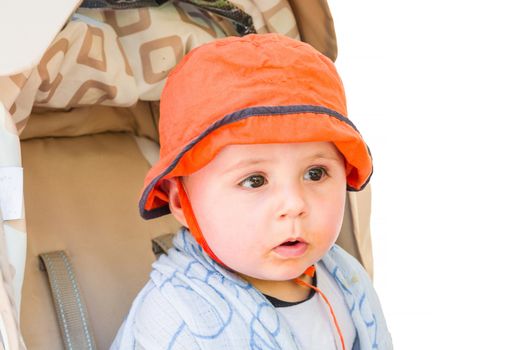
(260, 125)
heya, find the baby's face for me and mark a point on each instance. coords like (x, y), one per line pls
(269, 211)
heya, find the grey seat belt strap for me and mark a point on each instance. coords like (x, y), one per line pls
(69, 305)
(162, 244)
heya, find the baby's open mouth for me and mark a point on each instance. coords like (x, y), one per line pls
(289, 243)
(291, 248)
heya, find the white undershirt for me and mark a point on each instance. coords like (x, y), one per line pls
(311, 320)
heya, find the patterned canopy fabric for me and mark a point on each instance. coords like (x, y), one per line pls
(116, 58)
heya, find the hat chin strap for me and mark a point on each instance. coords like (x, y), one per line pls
(310, 271)
(192, 223)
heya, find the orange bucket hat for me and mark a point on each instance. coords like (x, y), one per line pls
(256, 89)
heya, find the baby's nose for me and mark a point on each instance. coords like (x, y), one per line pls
(293, 203)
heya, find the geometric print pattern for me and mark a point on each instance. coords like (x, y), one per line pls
(117, 57)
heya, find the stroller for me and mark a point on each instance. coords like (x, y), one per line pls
(79, 113)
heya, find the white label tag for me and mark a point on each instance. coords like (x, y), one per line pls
(11, 192)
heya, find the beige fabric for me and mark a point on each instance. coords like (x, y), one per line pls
(81, 197)
(82, 121)
(346, 238)
(316, 25)
(149, 149)
(26, 31)
(271, 16)
(360, 206)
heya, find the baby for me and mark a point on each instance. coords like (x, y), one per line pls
(256, 156)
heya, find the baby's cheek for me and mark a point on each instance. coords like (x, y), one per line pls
(228, 249)
(330, 226)
(232, 251)
(241, 259)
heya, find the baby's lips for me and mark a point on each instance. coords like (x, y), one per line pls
(292, 239)
(291, 249)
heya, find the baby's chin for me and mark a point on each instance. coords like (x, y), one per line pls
(279, 274)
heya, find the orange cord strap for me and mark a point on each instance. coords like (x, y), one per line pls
(311, 272)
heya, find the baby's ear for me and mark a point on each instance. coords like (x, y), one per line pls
(171, 188)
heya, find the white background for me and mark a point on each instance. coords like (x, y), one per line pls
(439, 91)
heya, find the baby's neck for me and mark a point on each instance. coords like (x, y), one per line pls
(288, 290)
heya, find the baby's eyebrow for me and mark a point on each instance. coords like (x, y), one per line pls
(324, 156)
(256, 161)
(245, 163)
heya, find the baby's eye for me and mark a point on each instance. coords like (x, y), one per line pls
(253, 181)
(315, 174)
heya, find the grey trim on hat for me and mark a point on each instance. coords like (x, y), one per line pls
(229, 119)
